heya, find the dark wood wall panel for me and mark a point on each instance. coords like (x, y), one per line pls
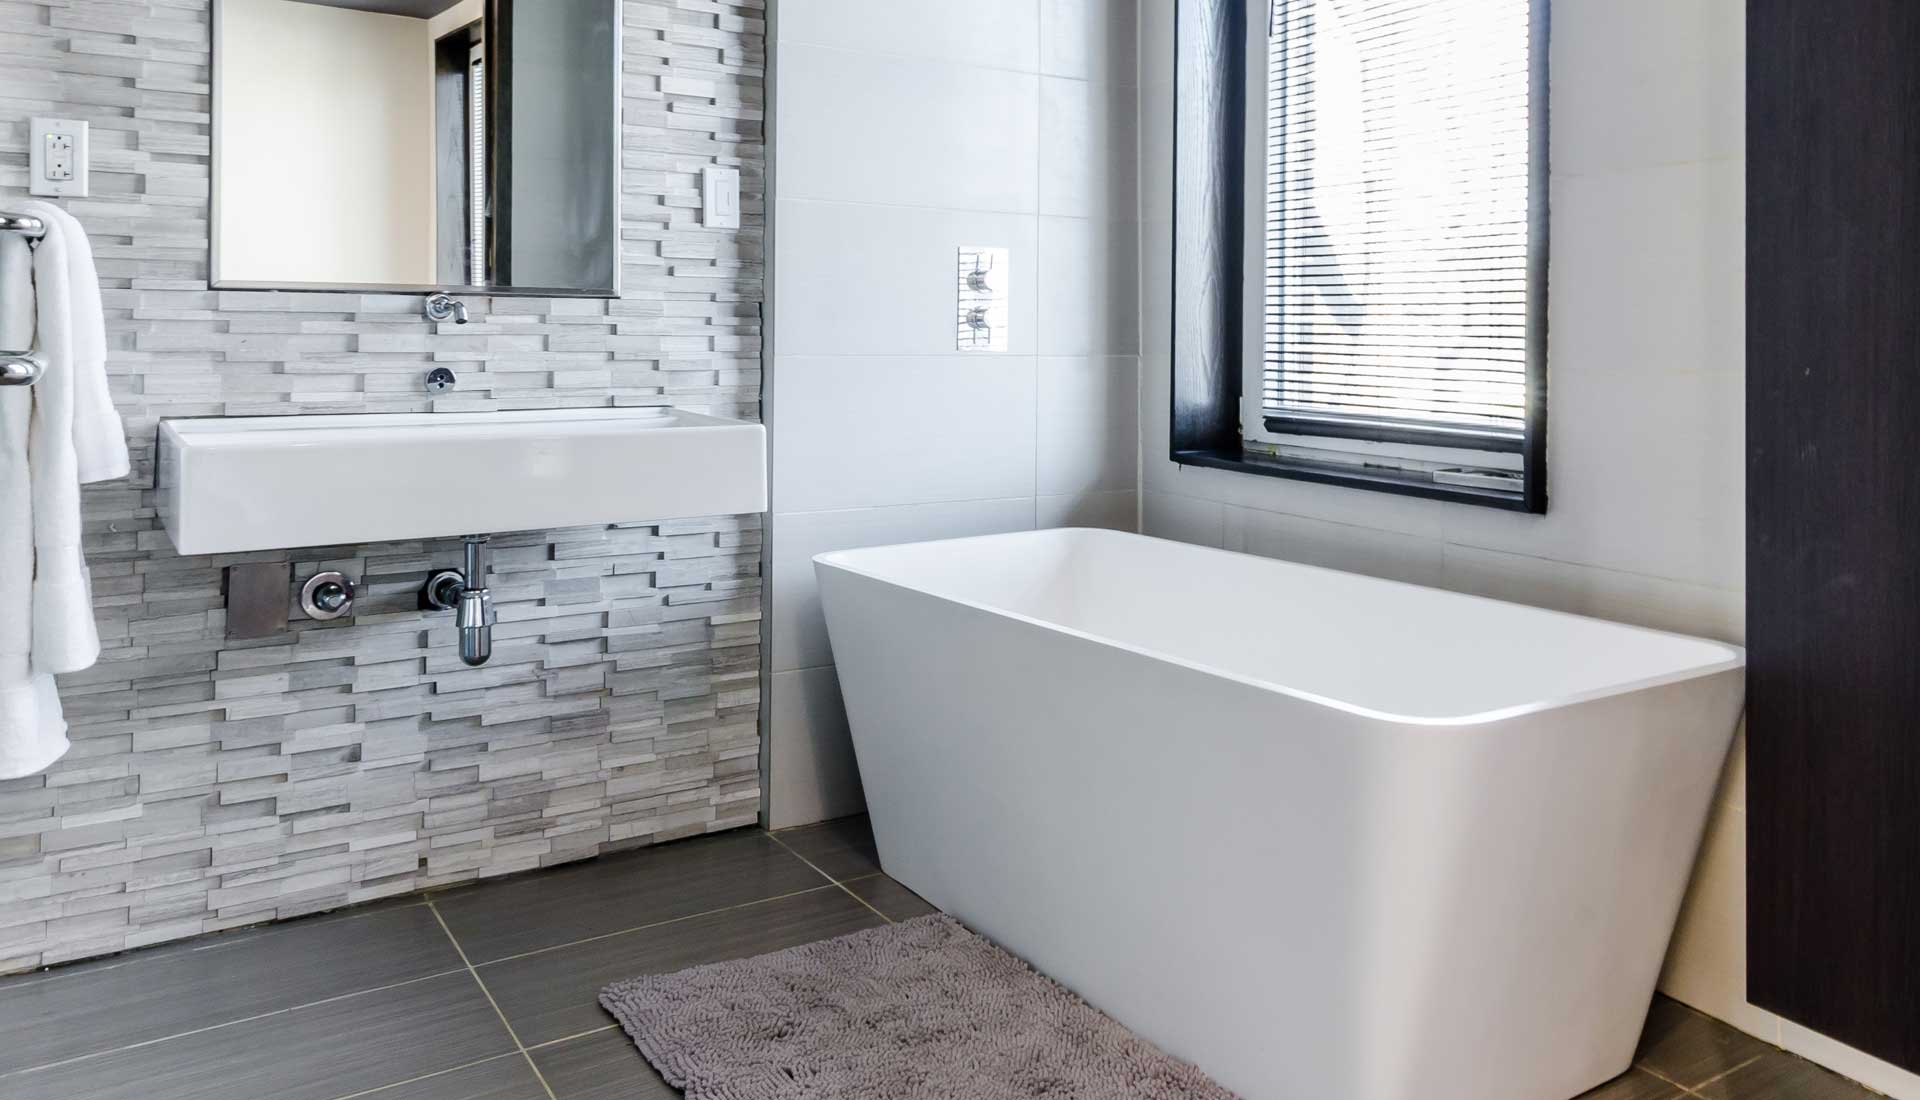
(1833, 568)
(1210, 119)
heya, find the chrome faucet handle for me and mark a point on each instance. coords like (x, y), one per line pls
(327, 596)
(443, 307)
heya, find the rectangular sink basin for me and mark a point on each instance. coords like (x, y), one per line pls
(231, 484)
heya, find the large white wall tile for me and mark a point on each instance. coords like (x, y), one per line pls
(1645, 474)
(1089, 292)
(1003, 34)
(1155, 139)
(881, 280)
(1648, 270)
(1156, 288)
(1603, 593)
(1183, 518)
(799, 633)
(874, 431)
(1090, 39)
(1087, 150)
(1645, 82)
(1155, 42)
(812, 774)
(1088, 424)
(1333, 545)
(1117, 511)
(860, 127)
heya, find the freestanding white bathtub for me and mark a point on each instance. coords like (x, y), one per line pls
(1326, 836)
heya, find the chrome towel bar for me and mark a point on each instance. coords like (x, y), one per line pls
(22, 368)
(26, 225)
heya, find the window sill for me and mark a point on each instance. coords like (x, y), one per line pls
(1382, 481)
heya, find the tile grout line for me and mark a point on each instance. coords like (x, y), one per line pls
(1658, 1076)
(427, 1076)
(488, 993)
(843, 886)
(222, 1024)
(1724, 1074)
(567, 1038)
(656, 924)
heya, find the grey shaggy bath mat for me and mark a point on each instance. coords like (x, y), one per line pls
(921, 1009)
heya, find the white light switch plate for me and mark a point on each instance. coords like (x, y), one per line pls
(57, 157)
(720, 197)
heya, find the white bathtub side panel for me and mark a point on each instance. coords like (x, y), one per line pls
(1059, 798)
(1538, 871)
(1299, 900)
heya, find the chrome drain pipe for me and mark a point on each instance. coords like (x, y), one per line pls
(467, 596)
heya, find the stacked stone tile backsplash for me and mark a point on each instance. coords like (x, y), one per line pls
(217, 783)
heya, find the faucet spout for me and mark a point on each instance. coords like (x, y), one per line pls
(445, 307)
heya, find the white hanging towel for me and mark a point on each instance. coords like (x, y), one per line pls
(54, 436)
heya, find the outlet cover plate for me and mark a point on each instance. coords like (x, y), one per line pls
(57, 157)
(720, 197)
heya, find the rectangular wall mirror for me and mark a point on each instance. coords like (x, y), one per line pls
(417, 145)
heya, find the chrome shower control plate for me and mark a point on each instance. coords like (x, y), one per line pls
(982, 281)
(441, 380)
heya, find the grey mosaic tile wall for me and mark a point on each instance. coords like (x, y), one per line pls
(214, 784)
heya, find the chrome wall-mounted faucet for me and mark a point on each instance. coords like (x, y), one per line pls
(443, 307)
(467, 596)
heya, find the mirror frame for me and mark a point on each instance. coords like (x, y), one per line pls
(215, 282)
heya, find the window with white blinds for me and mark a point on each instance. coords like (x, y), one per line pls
(1399, 221)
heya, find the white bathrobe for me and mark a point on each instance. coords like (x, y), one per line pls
(54, 436)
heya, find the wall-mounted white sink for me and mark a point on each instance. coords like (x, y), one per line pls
(229, 484)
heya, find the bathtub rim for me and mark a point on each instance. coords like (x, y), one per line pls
(1736, 659)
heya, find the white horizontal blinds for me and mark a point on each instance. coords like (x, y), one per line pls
(1397, 214)
(477, 167)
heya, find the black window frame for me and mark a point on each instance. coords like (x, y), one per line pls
(1211, 207)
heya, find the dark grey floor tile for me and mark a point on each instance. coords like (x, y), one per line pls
(205, 942)
(891, 898)
(1689, 1047)
(617, 892)
(1777, 1075)
(322, 1051)
(507, 1077)
(555, 994)
(67, 1014)
(842, 848)
(602, 1066)
(1635, 1084)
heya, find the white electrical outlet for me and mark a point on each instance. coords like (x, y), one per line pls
(720, 197)
(57, 157)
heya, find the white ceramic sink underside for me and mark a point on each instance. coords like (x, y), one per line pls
(232, 484)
